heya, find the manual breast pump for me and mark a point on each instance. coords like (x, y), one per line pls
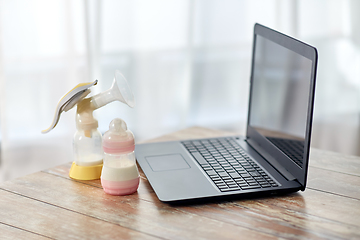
(87, 143)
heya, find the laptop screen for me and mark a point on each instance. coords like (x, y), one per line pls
(281, 94)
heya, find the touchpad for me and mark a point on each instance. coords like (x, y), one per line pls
(167, 162)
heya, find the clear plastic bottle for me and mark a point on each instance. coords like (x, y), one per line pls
(87, 142)
(120, 175)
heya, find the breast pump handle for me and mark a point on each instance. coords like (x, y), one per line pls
(69, 100)
(119, 91)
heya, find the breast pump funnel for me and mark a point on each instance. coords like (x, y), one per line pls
(119, 91)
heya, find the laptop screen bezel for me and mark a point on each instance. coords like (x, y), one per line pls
(252, 135)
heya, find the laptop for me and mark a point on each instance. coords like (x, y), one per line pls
(272, 158)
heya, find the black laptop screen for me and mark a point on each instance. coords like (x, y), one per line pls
(280, 97)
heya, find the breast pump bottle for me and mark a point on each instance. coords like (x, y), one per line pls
(120, 175)
(87, 142)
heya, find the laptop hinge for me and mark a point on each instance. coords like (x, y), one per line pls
(272, 161)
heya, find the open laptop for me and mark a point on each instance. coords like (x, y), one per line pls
(272, 158)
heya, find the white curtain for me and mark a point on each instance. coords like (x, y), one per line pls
(187, 62)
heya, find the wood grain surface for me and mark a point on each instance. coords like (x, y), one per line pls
(48, 204)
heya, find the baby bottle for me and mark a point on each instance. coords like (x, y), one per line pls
(119, 175)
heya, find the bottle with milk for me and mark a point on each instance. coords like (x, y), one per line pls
(87, 150)
(119, 175)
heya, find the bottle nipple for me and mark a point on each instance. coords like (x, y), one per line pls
(118, 139)
(118, 126)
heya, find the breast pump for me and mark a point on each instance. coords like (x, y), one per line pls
(87, 143)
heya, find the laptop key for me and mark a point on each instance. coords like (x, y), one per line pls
(218, 183)
(235, 175)
(199, 158)
(207, 168)
(229, 182)
(214, 165)
(219, 169)
(215, 177)
(265, 185)
(226, 178)
(254, 174)
(245, 175)
(249, 187)
(232, 185)
(240, 182)
(223, 174)
(211, 172)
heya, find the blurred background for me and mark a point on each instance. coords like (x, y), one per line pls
(187, 62)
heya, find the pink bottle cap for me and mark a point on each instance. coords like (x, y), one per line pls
(118, 139)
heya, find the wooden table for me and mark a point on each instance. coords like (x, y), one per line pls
(48, 204)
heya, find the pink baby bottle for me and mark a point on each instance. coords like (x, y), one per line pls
(119, 175)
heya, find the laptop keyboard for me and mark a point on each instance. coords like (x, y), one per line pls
(227, 165)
